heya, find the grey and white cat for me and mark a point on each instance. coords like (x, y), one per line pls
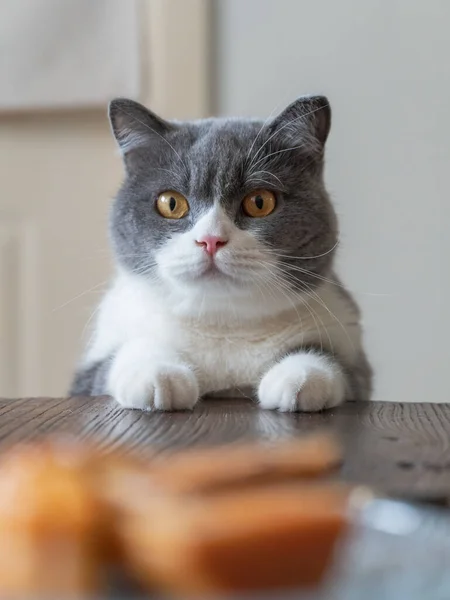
(224, 238)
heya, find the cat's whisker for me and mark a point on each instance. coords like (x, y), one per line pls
(258, 182)
(147, 270)
(331, 313)
(267, 156)
(253, 174)
(137, 255)
(143, 265)
(286, 291)
(272, 247)
(274, 290)
(314, 314)
(201, 306)
(261, 130)
(170, 171)
(88, 323)
(318, 321)
(290, 267)
(255, 281)
(309, 273)
(94, 288)
(308, 291)
(281, 280)
(317, 298)
(335, 245)
(266, 283)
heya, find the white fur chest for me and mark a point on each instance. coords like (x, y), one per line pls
(228, 353)
(236, 358)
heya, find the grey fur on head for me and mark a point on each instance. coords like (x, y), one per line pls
(221, 160)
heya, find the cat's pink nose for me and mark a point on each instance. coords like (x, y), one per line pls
(211, 243)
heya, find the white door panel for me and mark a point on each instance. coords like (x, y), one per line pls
(57, 175)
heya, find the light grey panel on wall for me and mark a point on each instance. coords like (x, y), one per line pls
(384, 66)
(67, 54)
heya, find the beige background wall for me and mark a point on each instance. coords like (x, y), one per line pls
(57, 174)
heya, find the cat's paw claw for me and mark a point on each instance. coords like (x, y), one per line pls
(302, 382)
(159, 387)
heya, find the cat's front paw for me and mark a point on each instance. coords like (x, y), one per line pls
(161, 386)
(302, 382)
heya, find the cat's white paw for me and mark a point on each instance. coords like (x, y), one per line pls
(302, 382)
(157, 386)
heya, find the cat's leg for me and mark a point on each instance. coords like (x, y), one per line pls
(90, 380)
(144, 379)
(304, 381)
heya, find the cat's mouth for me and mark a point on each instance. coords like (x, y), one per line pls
(213, 272)
(205, 271)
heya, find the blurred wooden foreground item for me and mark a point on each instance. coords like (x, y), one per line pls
(68, 511)
(262, 538)
(48, 524)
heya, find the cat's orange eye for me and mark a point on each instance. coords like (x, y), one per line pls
(259, 203)
(172, 205)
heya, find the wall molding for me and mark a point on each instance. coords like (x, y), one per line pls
(176, 57)
(19, 309)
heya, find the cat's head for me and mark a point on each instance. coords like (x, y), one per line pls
(225, 207)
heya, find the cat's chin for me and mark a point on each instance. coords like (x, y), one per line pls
(211, 272)
(211, 276)
(212, 285)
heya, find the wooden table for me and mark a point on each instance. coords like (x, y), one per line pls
(402, 449)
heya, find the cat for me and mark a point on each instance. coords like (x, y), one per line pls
(224, 238)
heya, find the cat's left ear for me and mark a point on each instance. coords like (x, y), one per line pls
(306, 121)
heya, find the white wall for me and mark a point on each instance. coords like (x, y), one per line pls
(385, 66)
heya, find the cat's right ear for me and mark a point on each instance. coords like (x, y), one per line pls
(134, 126)
(306, 123)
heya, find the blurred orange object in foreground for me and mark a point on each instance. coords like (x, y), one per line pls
(48, 523)
(233, 518)
(206, 521)
(257, 539)
(212, 470)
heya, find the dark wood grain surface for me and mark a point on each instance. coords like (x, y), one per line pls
(401, 449)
